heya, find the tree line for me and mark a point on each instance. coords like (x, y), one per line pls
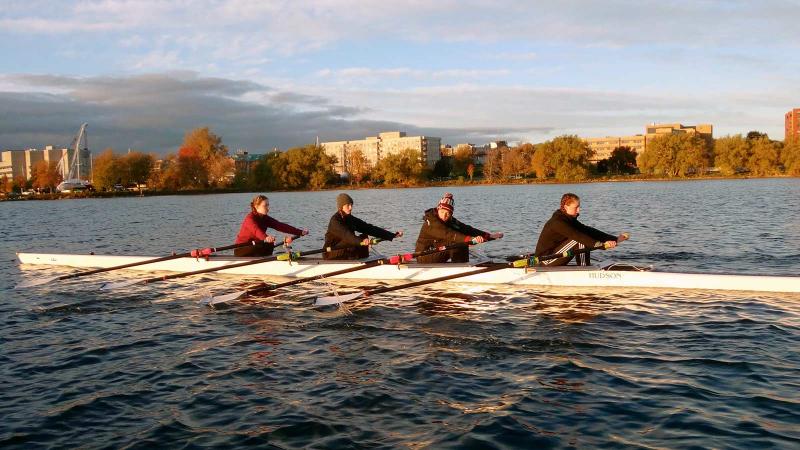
(203, 162)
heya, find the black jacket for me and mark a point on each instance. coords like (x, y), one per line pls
(562, 227)
(435, 233)
(342, 233)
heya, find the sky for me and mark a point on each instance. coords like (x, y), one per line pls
(277, 74)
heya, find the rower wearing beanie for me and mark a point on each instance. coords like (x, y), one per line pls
(440, 228)
(563, 232)
(342, 231)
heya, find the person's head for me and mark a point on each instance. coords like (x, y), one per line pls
(260, 204)
(344, 203)
(445, 207)
(571, 204)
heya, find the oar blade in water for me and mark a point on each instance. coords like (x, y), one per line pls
(335, 299)
(220, 299)
(35, 282)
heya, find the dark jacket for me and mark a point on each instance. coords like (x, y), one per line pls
(435, 233)
(561, 227)
(342, 231)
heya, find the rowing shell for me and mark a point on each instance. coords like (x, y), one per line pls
(610, 276)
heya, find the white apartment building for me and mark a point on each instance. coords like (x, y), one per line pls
(377, 147)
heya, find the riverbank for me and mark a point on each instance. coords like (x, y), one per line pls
(369, 185)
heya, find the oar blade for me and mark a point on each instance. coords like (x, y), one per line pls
(336, 299)
(221, 299)
(35, 282)
(119, 285)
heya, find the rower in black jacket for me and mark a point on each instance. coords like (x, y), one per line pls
(440, 228)
(342, 230)
(564, 232)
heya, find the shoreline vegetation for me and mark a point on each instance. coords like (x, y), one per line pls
(202, 165)
(339, 187)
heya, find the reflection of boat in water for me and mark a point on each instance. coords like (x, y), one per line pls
(72, 172)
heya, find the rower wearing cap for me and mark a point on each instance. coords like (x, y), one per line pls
(254, 228)
(342, 230)
(563, 232)
(440, 228)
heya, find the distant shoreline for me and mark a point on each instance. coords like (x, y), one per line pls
(450, 183)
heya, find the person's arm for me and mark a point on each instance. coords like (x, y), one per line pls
(344, 235)
(469, 230)
(597, 234)
(371, 230)
(577, 233)
(282, 227)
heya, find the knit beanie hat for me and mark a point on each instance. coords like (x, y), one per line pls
(343, 199)
(447, 202)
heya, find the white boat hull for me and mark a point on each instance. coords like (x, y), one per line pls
(571, 276)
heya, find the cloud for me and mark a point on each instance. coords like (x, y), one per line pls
(152, 112)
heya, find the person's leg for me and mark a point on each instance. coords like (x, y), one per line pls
(582, 259)
(434, 258)
(459, 255)
(566, 245)
(260, 249)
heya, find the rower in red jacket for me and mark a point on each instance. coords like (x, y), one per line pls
(563, 232)
(254, 228)
(440, 228)
(342, 230)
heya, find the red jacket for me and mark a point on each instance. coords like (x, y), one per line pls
(255, 226)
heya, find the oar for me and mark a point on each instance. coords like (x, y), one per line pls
(198, 253)
(396, 259)
(335, 299)
(281, 257)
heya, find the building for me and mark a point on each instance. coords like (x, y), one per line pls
(377, 147)
(792, 125)
(16, 163)
(244, 162)
(604, 146)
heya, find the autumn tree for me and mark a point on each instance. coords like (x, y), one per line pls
(493, 164)
(45, 175)
(470, 171)
(138, 166)
(5, 183)
(790, 157)
(203, 151)
(358, 165)
(513, 162)
(622, 161)
(540, 162)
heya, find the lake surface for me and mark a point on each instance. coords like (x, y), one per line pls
(440, 366)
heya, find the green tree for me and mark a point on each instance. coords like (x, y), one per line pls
(731, 154)
(138, 166)
(402, 167)
(443, 167)
(107, 170)
(675, 155)
(764, 157)
(622, 161)
(569, 156)
(462, 157)
(304, 167)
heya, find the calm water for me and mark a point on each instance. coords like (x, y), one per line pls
(443, 366)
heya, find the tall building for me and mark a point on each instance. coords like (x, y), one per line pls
(792, 125)
(377, 147)
(604, 146)
(15, 163)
